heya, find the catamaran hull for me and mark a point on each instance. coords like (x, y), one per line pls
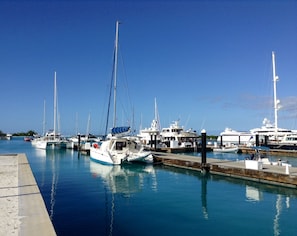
(146, 158)
(98, 155)
(49, 144)
(101, 156)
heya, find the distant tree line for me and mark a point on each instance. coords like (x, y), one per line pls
(212, 137)
(29, 133)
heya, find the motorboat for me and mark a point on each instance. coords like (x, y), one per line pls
(273, 133)
(288, 142)
(175, 136)
(230, 136)
(82, 141)
(226, 149)
(290, 139)
(150, 137)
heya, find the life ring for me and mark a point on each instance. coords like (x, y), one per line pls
(95, 145)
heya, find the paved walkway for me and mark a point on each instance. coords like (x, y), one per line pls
(22, 209)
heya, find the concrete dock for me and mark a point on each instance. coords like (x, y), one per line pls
(269, 174)
(22, 209)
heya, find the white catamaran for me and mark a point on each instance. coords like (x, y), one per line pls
(118, 146)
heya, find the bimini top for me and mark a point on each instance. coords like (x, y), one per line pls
(120, 130)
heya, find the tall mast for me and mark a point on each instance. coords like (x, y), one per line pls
(115, 73)
(88, 125)
(157, 119)
(156, 116)
(55, 104)
(276, 101)
(43, 125)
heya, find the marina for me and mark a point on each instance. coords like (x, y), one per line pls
(84, 197)
(211, 64)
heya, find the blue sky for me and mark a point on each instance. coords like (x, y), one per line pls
(208, 63)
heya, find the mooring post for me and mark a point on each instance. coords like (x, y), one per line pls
(204, 167)
(266, 140)
(257, 140)
(78, 147)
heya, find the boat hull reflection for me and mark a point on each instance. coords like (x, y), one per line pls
(126, 179)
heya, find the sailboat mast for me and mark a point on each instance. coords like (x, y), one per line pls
(275, 79)
(115, 74)
(88, 125)
(157, 118)
(43, 125)
(55, 104)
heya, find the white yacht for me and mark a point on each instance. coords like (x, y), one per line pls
(230, 136)
(150, 137)
(269, 130)
(290, 139)
(288, 142)
(272, 131)
(176, 137)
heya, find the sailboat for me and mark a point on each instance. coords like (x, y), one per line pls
(51, 139)
(118, 147)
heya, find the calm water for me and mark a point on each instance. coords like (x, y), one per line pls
(86, 198)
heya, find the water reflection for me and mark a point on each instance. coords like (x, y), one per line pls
(122, 179)
(252, 194)
(203, 196)
(53, 157)
(41, 153)
(125, 179)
